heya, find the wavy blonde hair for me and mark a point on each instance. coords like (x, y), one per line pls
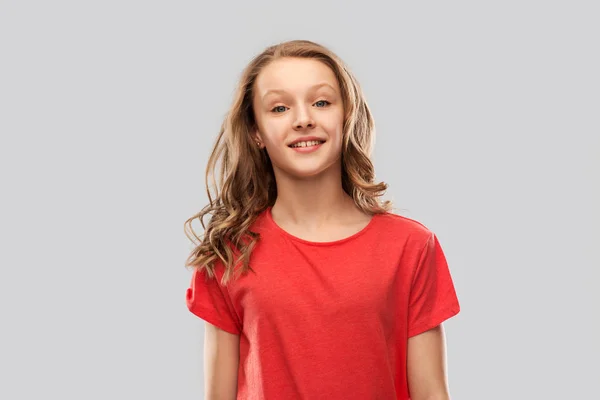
(246, 183)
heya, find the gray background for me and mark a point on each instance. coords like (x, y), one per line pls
(487, 116)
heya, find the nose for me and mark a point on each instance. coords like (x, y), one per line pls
(303, 120)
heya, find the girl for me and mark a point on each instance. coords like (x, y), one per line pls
(311, 288)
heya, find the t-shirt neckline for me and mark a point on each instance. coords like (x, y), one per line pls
(366, 228)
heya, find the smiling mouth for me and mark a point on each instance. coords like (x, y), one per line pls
(308, 143)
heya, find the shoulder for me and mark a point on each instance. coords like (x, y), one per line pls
(260, 222)
(395, 225)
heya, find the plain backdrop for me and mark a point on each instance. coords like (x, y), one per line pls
(488, 131)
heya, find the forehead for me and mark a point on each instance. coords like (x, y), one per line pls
(294, 74)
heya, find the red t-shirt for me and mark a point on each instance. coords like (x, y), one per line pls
(330, 320)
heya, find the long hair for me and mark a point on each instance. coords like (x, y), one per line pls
(245, 185)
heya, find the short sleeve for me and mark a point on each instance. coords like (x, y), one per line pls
(432, 296)
(208, 299)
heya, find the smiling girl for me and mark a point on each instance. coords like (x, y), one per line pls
(309, 286)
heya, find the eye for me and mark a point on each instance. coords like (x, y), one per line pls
(278, 109)
(323, 102)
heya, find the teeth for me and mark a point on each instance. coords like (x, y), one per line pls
(307, 144)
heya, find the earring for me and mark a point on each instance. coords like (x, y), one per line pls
(258, 144)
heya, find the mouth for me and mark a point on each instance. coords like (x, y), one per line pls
(306, 143)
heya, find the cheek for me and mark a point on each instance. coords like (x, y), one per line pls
(273, 131)
(335, 127)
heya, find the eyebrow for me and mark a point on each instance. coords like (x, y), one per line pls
(314, 87)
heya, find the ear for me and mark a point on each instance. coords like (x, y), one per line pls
(256, 137)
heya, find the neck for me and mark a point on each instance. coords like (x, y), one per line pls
(312, 201)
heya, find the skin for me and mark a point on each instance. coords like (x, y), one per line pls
(296, 98)
(221, 360)
(426, 365)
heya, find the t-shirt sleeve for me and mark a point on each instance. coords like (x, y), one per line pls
(208, 299)
(432, 296)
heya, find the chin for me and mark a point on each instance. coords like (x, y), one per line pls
(305, 169)
(305, 174)
(308, 172)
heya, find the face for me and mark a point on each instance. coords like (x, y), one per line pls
(299, 112)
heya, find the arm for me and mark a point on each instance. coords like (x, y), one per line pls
(221, 360)
(426, 365)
